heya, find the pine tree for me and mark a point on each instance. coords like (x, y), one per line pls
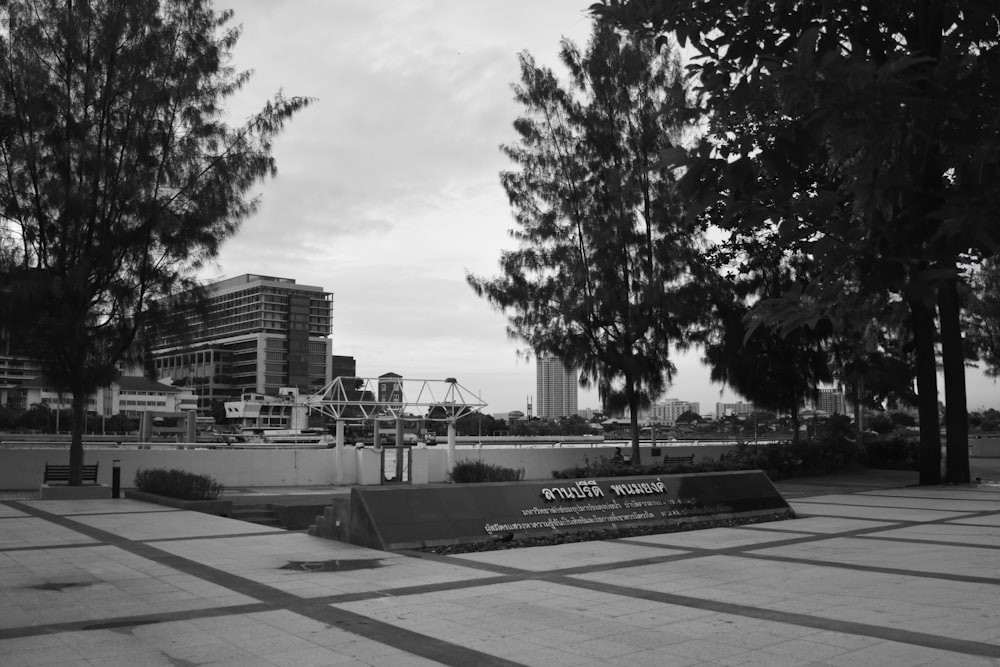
(118, 175)
(606, 273)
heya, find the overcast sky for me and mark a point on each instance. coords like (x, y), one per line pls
(388, 192)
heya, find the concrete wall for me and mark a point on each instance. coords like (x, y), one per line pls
(987, 448)
(539, 463)
(23, 468)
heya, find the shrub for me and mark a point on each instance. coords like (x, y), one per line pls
(902, 419)
(881, 424)
(178, 484)
(466, 472)
(893, 454)
(833, 448)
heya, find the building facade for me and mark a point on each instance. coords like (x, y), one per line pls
(556, 388)
(344, 367)
(127, 396)
(668, 410)
(831, 401)
(16, 366)
(15, 370)
(727, 409)
(261, 333)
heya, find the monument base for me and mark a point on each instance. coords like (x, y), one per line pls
(410, 517)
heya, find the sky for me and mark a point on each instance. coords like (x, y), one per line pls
(388, 191)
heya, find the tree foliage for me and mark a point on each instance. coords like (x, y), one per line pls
(984, 315)
(688, 417)
(118, 174)
(896, 106)
(775, 371)
(604, 275)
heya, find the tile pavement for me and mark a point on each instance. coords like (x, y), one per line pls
(871, 573)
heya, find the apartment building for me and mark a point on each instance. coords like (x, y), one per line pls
(831, 401)
(15, 370)
(668, 410)
(556, 388)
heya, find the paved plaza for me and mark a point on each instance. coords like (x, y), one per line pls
(873, 572)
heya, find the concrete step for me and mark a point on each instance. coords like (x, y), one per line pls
(259, 514)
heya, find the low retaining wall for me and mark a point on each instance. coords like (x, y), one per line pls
(23, 468)
(985, 448)
(539, 462)
(217, 507)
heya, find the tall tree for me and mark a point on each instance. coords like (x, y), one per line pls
(898, 103)
(604, 276)
(118, 175)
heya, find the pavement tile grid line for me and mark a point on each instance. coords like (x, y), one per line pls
(927, 639)
(511, 573)
(895, 608)
(380, 637)
(615, 627)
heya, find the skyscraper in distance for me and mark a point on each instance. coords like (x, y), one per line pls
(555, 388)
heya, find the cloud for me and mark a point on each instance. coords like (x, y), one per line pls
(388, 189)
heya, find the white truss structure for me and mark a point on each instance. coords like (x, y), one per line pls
(409, 399)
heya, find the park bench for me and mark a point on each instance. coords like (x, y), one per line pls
(60, 473)
(675, 460)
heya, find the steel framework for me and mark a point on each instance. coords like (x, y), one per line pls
(356, 399)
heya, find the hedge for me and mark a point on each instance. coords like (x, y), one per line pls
(178, 484)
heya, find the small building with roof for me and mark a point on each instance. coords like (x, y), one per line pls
(128, 396)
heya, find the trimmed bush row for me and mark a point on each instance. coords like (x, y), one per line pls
(833, 448)
(178, 484)
(893, 454)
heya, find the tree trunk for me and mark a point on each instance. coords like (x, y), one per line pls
(633, 406)
(859, 410)
(795, 427)
(927, 400)
(76, 443)
(956, 414)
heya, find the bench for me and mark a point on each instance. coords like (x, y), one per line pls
(60, 473)
(676, 460)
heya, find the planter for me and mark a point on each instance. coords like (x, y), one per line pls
(217, 507)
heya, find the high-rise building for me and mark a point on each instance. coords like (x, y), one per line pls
(555, 388)
(831, 401)
(260, 334)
